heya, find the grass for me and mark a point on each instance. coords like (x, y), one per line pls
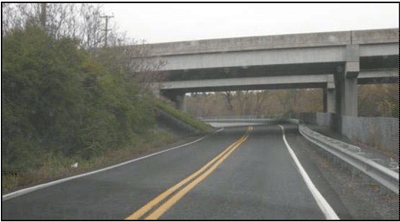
(56, 167)
(375, 148)
(184, 117)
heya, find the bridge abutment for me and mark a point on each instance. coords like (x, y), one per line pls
(177, 97)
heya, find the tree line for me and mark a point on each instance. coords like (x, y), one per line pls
(375, 100)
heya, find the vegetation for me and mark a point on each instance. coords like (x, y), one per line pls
(378, 100)
(184, 117)
(269, 103)
(375, 100)
(66, 99)
(58, 101)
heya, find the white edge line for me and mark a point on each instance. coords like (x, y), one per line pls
(322, 203)
(40, 186)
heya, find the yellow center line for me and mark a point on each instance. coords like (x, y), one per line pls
(162, 196)
(169, 203)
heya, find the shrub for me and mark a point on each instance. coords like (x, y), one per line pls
(56, 98)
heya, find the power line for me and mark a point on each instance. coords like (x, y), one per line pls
(107, 17)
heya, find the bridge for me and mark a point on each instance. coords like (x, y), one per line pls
(333, 61)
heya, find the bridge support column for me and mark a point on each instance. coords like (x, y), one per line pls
(178, 98)
(329, 100)
(346, 83)
(329, 96)
(180, 102)
(155, 89)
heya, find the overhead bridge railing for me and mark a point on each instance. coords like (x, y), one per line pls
(352, 156)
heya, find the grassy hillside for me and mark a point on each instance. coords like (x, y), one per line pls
(62, 105)
(184, 117)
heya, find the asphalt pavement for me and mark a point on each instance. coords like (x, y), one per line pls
(237, 173)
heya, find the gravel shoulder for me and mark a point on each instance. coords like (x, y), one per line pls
(354, 197)
(379, 156)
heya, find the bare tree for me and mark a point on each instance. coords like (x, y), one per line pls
(244, 103)
(261, 97)
(16, 15)
(229, 97)
(131, 59)
(83, 22)
(92, 34)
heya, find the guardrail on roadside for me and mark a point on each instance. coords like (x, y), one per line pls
(350, 155)
(234, 120)
(248, 120)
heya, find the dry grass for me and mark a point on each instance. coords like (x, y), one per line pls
(378, 149)
(56, 167)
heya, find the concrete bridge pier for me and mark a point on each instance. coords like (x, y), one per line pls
(346, 95)
(155, 90)
(329, 100)
(346, 83)
(329, 96)
(177, 97)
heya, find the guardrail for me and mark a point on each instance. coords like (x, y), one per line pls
(241, 117)
(250, 119)
(234, 120)
(346, 153)
(350, 155)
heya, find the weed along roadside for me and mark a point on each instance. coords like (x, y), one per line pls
(63, 105)
(185, 118)
(57, 166)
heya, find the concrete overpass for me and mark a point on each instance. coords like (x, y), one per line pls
(334, 61)
(276, 82)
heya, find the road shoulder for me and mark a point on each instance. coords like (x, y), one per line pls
(351, 197)
(183, 141)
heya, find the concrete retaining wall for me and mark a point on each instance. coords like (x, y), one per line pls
(379, 132)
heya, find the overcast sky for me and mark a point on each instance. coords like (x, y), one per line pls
(181, 22)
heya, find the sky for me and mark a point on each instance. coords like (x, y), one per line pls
(170, 22)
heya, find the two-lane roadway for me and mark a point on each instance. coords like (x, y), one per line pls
(236, 173)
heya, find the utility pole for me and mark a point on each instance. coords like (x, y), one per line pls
(43, 15)
(107, 17)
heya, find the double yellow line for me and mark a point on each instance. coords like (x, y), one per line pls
(201, 174)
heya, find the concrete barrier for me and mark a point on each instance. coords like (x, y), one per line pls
(379, 132)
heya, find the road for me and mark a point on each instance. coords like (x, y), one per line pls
(237, 173)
